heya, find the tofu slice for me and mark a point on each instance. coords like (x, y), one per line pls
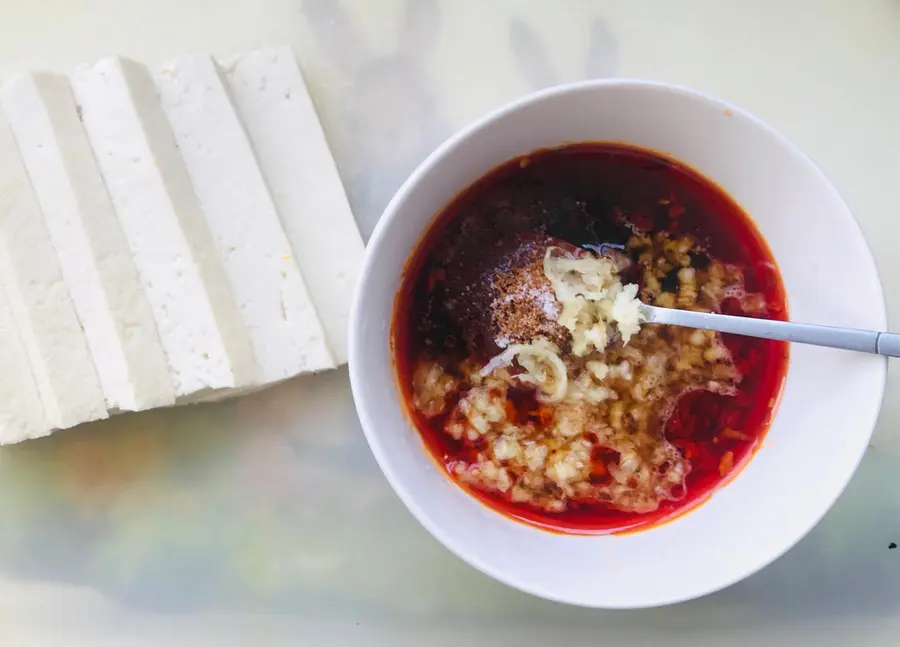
(39, 301)
(265, 280)
(291, 149)
(93, 253)
(21, 410)
(197, 319)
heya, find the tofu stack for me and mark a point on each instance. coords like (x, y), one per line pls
(165, 238)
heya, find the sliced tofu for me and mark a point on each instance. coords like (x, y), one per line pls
(197, 319)
(291, 149)
(39, 301)
(265, 280)
(21, 410)
(94, 256)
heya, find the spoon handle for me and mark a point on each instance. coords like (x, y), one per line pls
(864, 341)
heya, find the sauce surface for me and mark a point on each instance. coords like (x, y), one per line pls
(594, 196)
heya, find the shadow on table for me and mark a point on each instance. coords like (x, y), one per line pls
(391, 107)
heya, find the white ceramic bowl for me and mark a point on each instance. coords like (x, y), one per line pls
(831, 398)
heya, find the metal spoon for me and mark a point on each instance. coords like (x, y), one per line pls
(864, 341)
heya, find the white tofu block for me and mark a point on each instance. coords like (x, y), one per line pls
(21, 410)
(196, 316)
(273, 102)
(265, 280)
(39, 300)
(94, 256)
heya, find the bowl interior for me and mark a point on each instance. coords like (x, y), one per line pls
(831, 397)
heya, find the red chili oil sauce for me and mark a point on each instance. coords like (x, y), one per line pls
(591, 194)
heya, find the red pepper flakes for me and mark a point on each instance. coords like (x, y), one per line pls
(543, 416)
(726, 463)
(511, 413)
(734, 434)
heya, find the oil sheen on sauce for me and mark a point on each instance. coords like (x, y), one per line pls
(594, 194)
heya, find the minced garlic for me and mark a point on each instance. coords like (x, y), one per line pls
(544, 368)
(593, 299)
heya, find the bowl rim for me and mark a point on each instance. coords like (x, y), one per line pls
(426, 167)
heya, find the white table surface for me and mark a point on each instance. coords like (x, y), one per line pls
(265, 521)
